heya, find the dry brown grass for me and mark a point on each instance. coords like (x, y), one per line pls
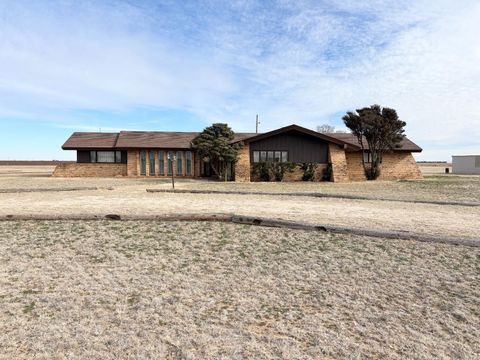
(212, 290)
(128, 197)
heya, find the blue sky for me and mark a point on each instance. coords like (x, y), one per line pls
(181, 65)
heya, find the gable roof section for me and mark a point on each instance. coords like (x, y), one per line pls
(90, 140)
(305, 131)
(405, 144)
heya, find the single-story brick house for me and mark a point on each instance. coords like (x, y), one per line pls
(159, 154)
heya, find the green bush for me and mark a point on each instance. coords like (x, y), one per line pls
(267, 171)
(327, 173)
(308, 171)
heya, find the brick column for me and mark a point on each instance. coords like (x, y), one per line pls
(242, 166)
(132, 163)
(336, 156)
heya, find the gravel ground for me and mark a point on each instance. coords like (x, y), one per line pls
(143, 289)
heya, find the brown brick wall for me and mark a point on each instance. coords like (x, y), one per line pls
(395, 166)
(132, 163)
(336, 156)
(242, 166)
(90, 170)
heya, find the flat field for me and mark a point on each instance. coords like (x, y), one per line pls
(126, 197)
(185, 290)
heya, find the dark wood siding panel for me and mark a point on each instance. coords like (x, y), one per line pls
(83, 156)
(301, 148)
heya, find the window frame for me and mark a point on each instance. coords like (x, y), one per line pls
(259, 156)
(170, 163)
(179, 171)
(143, 162)
(151, 168)
(161, 162)
(188, 163)
(117, 156)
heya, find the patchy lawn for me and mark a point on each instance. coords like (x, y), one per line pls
(212, 290)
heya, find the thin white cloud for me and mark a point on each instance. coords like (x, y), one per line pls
(296, 62)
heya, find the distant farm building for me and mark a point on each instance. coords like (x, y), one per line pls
(466, 164)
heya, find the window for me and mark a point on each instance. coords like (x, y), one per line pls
(277, 156)
(105, 156)
(179, 163)
(161, 163)
(270, 156)
(263, 156)
(367, 157)
(170, 162)
(188, 157)
(152, 163)
(143, 162)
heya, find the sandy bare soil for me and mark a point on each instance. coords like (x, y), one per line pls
(211, 290)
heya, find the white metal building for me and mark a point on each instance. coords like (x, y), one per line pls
(466, 164)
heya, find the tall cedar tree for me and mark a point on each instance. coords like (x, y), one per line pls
(380, 129)
(214, 145)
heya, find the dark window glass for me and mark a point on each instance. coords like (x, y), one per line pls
(179, 163)
(263, 156)
(161, 163)
(152, 163)
(270, 156)
(284, 156)
(188, 157)
(93, 156)
(143, 162)
(118, 156)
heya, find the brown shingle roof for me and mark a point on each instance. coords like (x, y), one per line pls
(182, 140)
(405, 144)
(136, 139)
(90, 140)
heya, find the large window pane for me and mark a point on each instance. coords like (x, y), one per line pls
(105, 156)
(284, 156)
(270, 156)
(143, 162)
(188, 157)
(179, 162)
(278, 156)
(93, 156)
(118, 156)
(152, 163)
(256, 156)
(161, 163)
(263, 156)
(170, 162)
